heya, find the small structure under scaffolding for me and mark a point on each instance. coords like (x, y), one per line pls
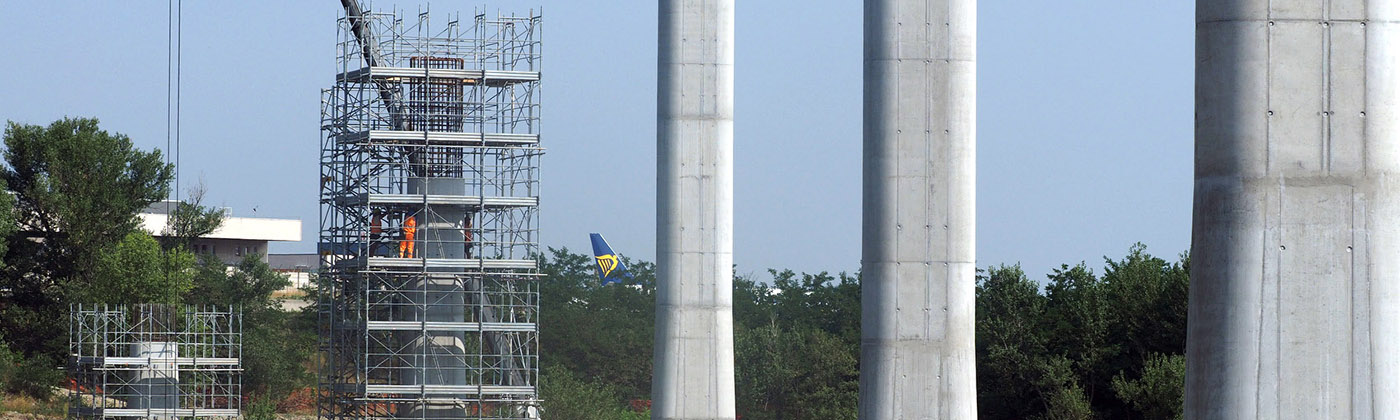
(155, 361)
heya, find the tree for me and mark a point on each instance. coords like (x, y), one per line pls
(1146, 301)
(596, 331)
(567, 396)
(1077, 318)
(805, 373)
(821, 301)
(1063, 354)
(1158, 394)
(797, 346)
(1011, 344)
(136, 270)
(249, 284)
(1064, 398)
(77, 190)
(276, 344)
(190, 219)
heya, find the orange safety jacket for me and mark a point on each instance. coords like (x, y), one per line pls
(410, 226)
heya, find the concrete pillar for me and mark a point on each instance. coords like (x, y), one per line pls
(1295, 271)
(436, 357)
(156, 386)
(694, 354)
(917, 353)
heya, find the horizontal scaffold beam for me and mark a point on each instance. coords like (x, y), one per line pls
(471, 202)
(157, 413)
(437, 138)
(442, 326)
(464, 76)
(461, 263)
(147, 361)
(406, 390)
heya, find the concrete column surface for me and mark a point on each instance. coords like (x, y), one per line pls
(693, 376)
(919, 202)
(156, 386)
(1295, 277)
(436, 357)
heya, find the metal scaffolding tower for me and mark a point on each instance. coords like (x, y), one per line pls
(429, 195)
(155, 361)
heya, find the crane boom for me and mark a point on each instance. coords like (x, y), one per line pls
(359, 26)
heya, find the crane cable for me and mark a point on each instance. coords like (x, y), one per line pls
(179, 49)
(173, 16)
(173, 57)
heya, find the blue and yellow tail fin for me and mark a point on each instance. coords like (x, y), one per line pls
(610, 269)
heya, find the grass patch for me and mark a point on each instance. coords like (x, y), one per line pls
(17, 403)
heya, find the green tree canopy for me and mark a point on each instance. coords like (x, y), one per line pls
(136, 270)
(1067, 353)
(77, 190)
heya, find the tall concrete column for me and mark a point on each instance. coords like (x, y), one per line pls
(694, 355)
(1295, 271)
(436, 357)
(919, 210)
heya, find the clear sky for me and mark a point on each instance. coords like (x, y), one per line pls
(1084, 117)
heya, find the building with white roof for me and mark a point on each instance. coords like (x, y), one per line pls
(234, 239)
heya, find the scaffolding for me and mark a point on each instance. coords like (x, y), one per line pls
(155, 361)
(429, 198)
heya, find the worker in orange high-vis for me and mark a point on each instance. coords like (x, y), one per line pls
(410, 227)
(376, 232)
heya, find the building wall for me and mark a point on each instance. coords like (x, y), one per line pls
(230, 251)
(297, 267)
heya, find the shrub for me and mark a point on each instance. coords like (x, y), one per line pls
(33, 377)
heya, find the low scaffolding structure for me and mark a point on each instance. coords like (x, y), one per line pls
(155, 361)
(429, 197)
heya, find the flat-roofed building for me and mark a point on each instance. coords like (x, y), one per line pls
(234, 239)
(297, 267)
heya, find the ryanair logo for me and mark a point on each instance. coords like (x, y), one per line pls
(606, 264)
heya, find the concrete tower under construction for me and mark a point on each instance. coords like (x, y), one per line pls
(693, 377)
(916, 352)
(429, 194)
(1295, 255)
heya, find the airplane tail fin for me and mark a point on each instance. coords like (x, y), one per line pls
(609, 268)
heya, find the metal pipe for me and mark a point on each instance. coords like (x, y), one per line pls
(1295, 271)
(693, 377)
(917, 353)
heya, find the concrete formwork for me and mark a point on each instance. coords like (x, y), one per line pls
(919, 210)
(694, 354)
(1295, 277)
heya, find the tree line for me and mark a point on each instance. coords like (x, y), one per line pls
(1079, 344)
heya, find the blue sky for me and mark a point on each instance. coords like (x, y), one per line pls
(1084, 117)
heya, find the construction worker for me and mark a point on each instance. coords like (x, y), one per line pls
(376, 232)
(410, 227)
